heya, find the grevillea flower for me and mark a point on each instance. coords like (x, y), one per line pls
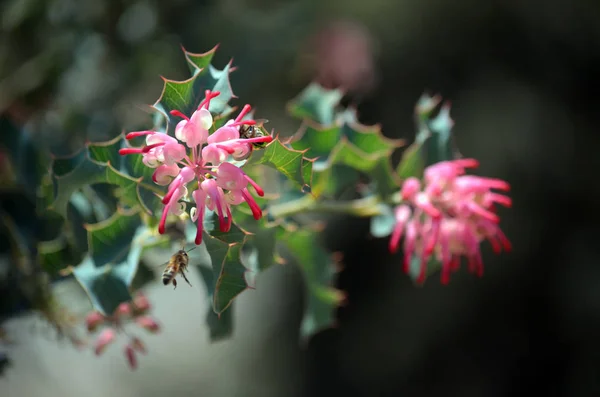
(196, 155)
(134, 312)
(447, 217)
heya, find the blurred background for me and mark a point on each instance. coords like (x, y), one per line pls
(522, 78)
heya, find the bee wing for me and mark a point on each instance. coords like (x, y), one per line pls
(163, 264)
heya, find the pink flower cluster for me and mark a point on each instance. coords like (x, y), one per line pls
(448, 216)
(194, 154)
(135, 311)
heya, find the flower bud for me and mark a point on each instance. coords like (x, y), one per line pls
(148, 323)
(93, 320)
(130, 355)
(104, 339)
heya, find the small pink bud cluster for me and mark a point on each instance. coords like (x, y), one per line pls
(194, 154)
(135, 312)
(448, 216)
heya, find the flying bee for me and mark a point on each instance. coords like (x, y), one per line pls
(176, 265)
(254, 131)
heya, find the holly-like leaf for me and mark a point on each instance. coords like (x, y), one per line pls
(108, 285)
(412, 163)
(229, 274)
(323, 299)
(101, 163)
(198, 61)
(435, 135)
(290, 162)
(367, 138)
(109, 241)
(316, 103)
(55, 255)
(319, 141)
(185, 96)
(220, 325)
(260, 249)
(376, 165)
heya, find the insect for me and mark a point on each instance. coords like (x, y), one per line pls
(176, 265)
(254, 131)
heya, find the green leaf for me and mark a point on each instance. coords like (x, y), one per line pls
(185, 96)
(101, 163)
(323, 299)
(55, 255)
(316, 141)
(110, 240)
(109, 285)
(412, 163)
(220, 326)
(229, 274)
(382, 225)
(367, 138)
(260, 249)
(316, 103)
(290, 162)
(376, 165)
(435, 135)
(198, 61)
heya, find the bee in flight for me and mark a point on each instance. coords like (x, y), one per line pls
(176, 265)
(254, 131)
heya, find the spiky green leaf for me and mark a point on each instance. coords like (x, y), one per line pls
(316, 103)
(229, 274)
(110, 240)
(198, 61)
(101, 163)
(377, 166)
(289, 162)
(109, 284)
(434, 135)
(185, 96)
(220, 326)
(323, 299)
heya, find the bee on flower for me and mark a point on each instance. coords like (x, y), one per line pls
(447, 215)
(194, 154)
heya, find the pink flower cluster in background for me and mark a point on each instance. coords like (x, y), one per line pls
(447, 216)
(194, 154)
(135, 312)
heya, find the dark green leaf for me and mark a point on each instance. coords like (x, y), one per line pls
(412, 162)
(376, 165)
(323, 299)
(110, 240)
(228, 272)
(75, 172)
(220, 326)
(109, 285)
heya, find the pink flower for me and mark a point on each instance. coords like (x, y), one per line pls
(148, 323)
(449, 217)
(106, 337)
(130, 355)
(93, 320)
(141, 303)
(195, 155)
